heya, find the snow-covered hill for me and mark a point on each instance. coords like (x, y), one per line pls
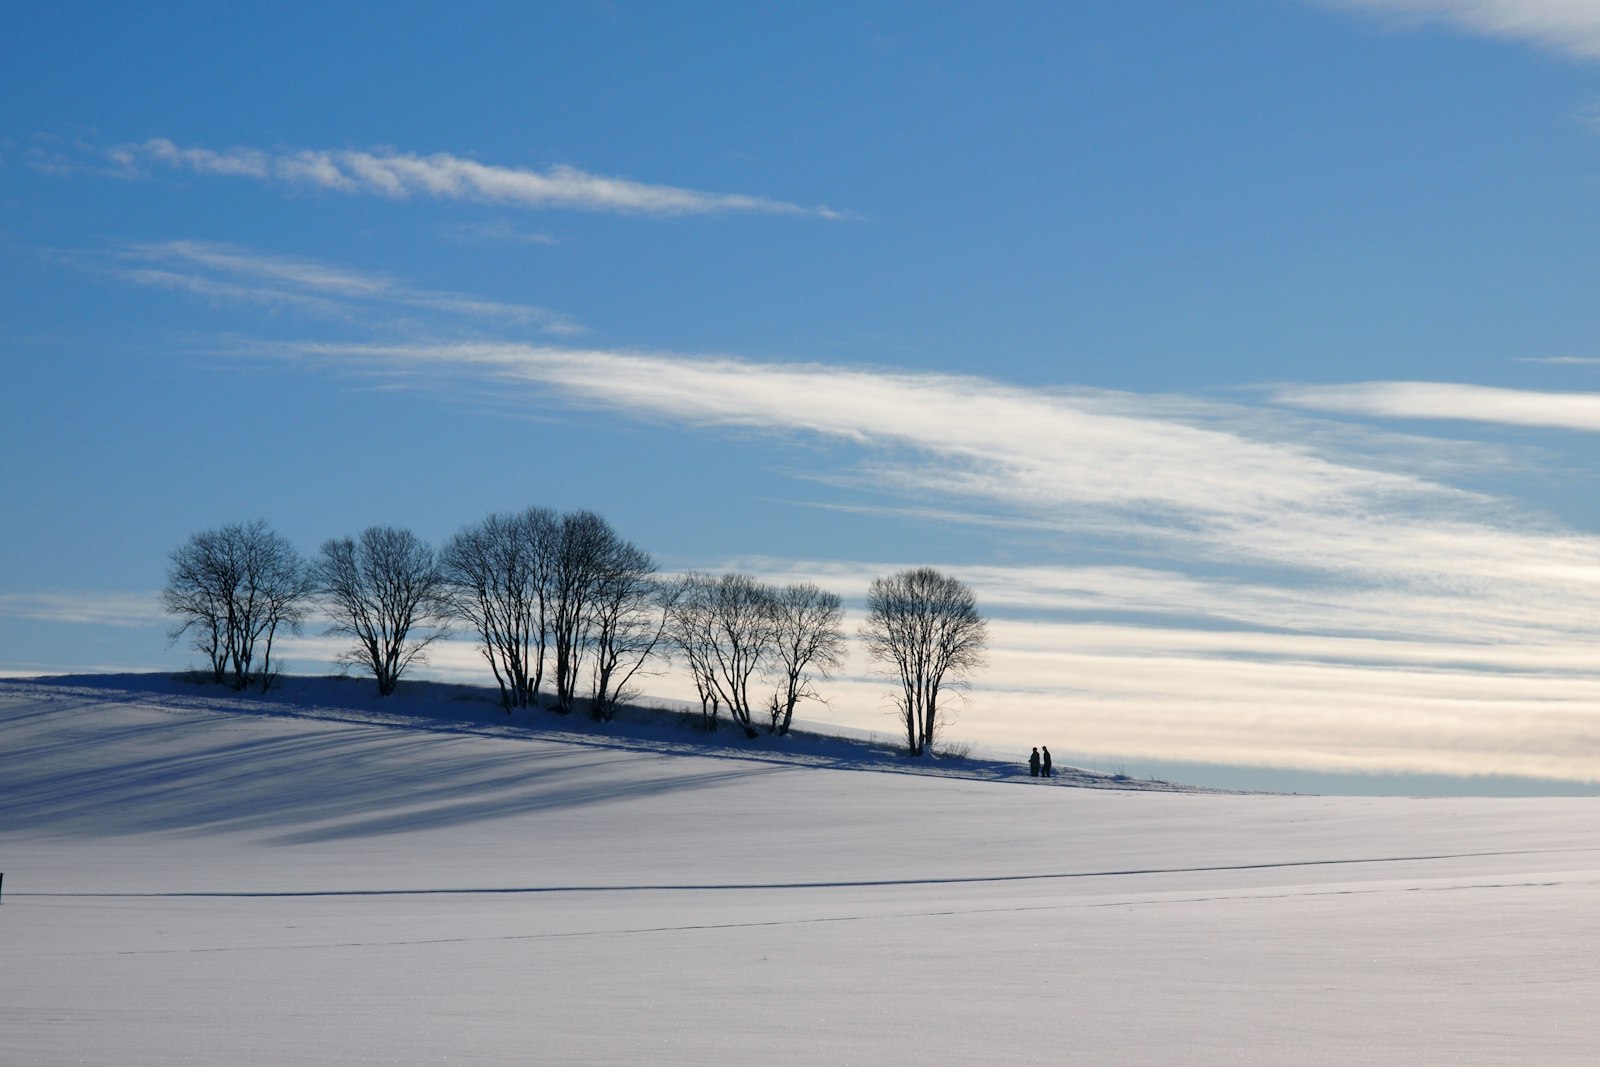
(192, 878)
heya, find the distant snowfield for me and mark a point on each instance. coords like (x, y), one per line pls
(190, 881)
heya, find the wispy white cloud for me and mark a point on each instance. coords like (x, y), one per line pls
(215, 289)
(1164, 472)
(400, 176)
(1562, 361)
(301, 274)
(226, 272)
(1568, 26)
(1199, 480)
(1447, 400)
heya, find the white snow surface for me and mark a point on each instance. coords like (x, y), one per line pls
(208, 879)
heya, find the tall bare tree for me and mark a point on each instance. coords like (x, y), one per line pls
(201, 578)
(628, 622)
(725, 628)
(693, 636)
(496, 582)
(383, 590)
(583, 542)
(807, 641)
(234, 589)
(925, 627)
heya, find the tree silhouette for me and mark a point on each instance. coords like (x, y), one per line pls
(924, 627)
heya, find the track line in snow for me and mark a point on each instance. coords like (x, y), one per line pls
(1339, 893)
(682, 887)
(830, 919)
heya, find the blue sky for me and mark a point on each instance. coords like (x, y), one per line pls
(1243, 356)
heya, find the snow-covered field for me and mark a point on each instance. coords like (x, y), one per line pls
(188, 880)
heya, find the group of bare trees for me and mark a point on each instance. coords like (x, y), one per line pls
(731, 629)
(559, 591)
(922, 626)
(236, 588)
(535, 587)
(233, 590)
(560, 600)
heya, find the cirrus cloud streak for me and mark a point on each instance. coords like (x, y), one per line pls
(442, 176)
(1201, 478)
(1450, 400)
(233, 274)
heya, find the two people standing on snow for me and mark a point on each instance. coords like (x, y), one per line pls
(1039, 766)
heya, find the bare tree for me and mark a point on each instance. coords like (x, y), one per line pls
(201, 578)
(540, 530)
(582, 544)
(925, 627)
(807, 639)
(383, 590)
(692, 635)
(724, 627)
(628, 624)
(496, 576)
(279, 589)
(234, 588)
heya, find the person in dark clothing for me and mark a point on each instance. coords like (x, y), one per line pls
(1045, 765)
(1033, 764)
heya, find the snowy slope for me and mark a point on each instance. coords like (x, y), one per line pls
(189, 882)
